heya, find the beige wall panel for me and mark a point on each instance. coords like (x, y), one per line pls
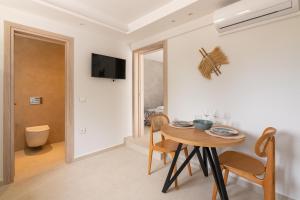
(39, 71)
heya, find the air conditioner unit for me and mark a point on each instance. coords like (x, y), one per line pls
(246, 12)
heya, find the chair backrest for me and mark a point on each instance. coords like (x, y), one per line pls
(157, 121)
(265, 147)
(266, 143)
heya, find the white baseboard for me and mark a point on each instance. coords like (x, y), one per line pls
(90, 154)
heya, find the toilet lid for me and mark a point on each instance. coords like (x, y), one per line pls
(37, 128)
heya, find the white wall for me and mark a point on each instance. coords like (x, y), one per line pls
(107, 113)
(259, 88)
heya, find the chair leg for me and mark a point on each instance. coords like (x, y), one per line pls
(226, 173)
(175, 169)
(269, 189)
(150, 160)
(189, 165)
(165, 158)
(215, 190)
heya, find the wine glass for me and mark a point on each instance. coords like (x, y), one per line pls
(205, 114)
(226, 119)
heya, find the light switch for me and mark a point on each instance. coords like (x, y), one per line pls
(83, 131)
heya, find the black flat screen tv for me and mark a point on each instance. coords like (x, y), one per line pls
(108, 67)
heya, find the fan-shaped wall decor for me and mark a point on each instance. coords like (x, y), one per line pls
(212, 62)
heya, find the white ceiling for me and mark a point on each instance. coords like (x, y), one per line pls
(120, 15)
(192, 12)
(156, 56)
(123, 11)
(137, 18)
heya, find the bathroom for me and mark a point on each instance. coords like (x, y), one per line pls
(39, 105)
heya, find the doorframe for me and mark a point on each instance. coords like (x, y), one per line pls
(10, 29)
(138, 84)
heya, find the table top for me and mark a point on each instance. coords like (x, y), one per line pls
(196, 137)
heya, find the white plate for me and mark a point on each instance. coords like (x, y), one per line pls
(171, 125)
(182, 124)
(224, 131)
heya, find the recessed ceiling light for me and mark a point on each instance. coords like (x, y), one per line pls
(190, 14)
(173, 20)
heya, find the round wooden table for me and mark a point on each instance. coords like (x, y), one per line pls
(198, 138)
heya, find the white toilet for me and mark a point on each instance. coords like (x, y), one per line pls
(36, 136)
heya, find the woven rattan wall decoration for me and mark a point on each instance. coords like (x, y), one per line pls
(212, 62)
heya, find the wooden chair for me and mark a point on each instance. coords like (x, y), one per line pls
(165, 146)
(250, 168)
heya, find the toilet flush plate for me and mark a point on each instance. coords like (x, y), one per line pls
(35, 100)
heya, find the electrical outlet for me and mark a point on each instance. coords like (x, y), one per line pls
(83, 131)
(82, 100)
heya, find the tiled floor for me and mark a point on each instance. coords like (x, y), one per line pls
(119, 174)
(30, 163)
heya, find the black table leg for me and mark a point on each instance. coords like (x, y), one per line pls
(168, 182)
(205, 159)
(211, 156)
(170, 179)
(217, 172)
(202, 161)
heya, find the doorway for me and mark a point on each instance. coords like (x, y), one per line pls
(142, 110)
(26, 94)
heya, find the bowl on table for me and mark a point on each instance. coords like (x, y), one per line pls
(203, 124)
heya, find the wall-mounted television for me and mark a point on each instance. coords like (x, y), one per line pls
(108, 67)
